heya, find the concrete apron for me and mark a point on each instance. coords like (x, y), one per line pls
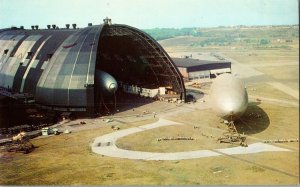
(106, 145)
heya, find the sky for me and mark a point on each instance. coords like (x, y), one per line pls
(146, 14)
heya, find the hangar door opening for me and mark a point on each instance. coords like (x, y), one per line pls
(139, 64)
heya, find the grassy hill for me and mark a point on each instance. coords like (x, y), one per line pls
(262, 36)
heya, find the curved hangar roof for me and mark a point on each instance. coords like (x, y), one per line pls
(57, 67)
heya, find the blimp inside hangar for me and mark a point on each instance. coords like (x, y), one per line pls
(73, 69)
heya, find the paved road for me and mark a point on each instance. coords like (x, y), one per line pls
(275, 64)
(242, 70)
(276, 101)
(285, 89)
(106, 145)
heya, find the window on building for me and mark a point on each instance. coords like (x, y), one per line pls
(5, 51)
(29, 55)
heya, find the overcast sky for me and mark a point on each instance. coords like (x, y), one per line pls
(148, 13)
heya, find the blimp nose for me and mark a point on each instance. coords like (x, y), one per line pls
(112, 87)
(230, 107)
(233, 107)
(106, 83)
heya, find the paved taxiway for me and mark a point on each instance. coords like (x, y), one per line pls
(106, 145)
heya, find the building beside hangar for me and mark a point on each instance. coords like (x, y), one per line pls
(55, 68)
(203, 70)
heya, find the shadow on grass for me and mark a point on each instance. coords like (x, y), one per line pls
(255, 120)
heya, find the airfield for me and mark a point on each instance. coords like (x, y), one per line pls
(271, 76)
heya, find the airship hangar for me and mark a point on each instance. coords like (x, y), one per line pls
(67, 69)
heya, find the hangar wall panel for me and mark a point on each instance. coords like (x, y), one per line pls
(32, 63)
(72, 66)
(9, 42)
(10, 68)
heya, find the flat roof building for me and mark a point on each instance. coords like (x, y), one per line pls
(195, 69)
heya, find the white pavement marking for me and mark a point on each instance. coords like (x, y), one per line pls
(106, 145)
(285, 89)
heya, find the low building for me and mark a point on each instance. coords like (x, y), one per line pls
(195, 69)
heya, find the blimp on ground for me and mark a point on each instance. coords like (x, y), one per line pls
(228, 97)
